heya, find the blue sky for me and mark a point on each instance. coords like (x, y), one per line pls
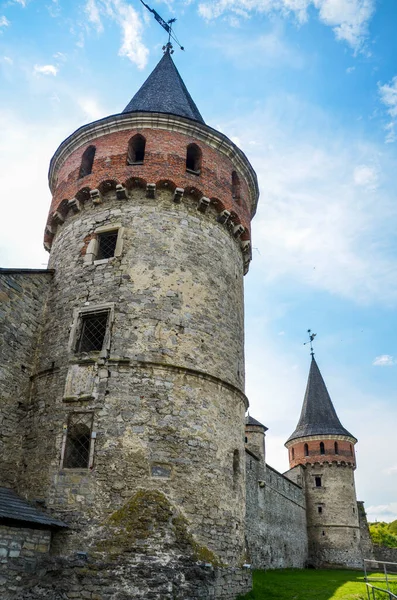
(308, 89)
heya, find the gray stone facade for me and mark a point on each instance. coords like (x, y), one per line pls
(276, 518)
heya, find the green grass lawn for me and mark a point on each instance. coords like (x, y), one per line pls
(310, 584)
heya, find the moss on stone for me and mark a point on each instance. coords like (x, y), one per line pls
(143, 517)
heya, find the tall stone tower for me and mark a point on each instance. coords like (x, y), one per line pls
(136, 417)
(323, 450)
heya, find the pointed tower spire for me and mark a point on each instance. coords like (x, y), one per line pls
(165, 92)
(318, 416)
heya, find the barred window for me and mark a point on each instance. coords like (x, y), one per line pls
(93, 331)
(78, 441)
(107, 244)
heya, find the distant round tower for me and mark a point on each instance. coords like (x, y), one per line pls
(324, 450)
(137, 423)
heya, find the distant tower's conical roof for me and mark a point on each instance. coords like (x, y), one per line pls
(165, 92)
(318, 416)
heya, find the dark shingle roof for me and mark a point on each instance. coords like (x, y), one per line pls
(165, 92)
(318, 416)
(15, 508)
(251, 421)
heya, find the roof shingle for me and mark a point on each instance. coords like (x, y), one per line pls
(15, 508)
(318, 416)
(165, 92)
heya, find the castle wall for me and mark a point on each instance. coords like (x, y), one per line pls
(23, 296)
(366, 545)
(167, 393)
(332, 516)
(275, 519)
(20, 549)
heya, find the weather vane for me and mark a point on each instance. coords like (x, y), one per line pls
(311, 338)
(167, 25)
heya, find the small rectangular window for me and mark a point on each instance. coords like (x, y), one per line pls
(107, 244)
(318, 481)
(78, 441)
(93, 331)
(320, 509)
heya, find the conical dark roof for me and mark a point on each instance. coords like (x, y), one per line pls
(251, 421)
(165, 92)
(318, 416)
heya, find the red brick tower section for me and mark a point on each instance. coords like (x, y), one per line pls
(157, 149)
(323, 451)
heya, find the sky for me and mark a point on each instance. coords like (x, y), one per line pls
(308, 90)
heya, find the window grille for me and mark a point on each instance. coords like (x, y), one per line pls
(78, 441)
(107, 244)
(93, 330)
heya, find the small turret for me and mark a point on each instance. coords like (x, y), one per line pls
(324, 450)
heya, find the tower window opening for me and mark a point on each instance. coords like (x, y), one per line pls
(306, 450)
(107, 244)
(93, 331)
(322, 448)
(354, 511)
(351, 450)
(293, 453)
(323, 533)
(317, 480)
(87, 160)
(136, 150)
(193, 159)
(336, 448)
(236, 465)
(236, 187)
(78, 441)
(319, 509)
(246, 440)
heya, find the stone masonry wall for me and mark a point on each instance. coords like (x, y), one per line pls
(23, 297)
(20, 550)
(166, 394)
(366, 545)
(332, 516)
(275, 520)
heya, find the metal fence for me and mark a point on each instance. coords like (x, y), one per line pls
(385, 575)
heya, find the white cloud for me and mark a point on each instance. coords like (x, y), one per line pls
(348, 18)
(382, 512)
(45, 70)
(91, 109)
(269, 50)
(366, 176)
(129, 22)
(385, 360)
(23, 3)
(391, 470)
(7, 60)
(93, 13)
(327, 216)
(4, 22)
(388, 96)
(350, 70)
